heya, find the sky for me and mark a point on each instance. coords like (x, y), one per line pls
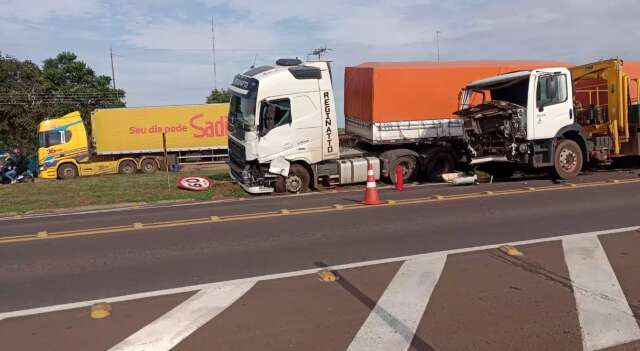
(162, 49)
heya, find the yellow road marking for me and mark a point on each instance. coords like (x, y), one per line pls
(289, 212)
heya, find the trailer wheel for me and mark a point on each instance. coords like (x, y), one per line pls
(567, 161)
(298, 179)
(67, 171)
(439, 160)
(148, 166)
(409, 169)
(127, 167)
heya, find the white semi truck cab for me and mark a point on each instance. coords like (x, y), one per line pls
(556, 119)
(283, 135)
(281, 115)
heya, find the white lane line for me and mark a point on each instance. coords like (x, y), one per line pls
(142, 295)
(393, 322)
(605, 317)
(174, 326)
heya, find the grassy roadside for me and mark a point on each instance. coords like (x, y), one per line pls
(110, 189)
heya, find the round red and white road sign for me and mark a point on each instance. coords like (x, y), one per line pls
(194, 183)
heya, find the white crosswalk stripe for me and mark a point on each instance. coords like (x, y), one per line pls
(167, 331)
(603, 311)
(393, 322)
(604, 314)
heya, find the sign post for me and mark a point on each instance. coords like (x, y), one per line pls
(166, 161)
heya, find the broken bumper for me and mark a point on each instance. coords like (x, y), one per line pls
(251, 189)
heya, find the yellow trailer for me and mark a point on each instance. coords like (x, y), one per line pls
(127, 140)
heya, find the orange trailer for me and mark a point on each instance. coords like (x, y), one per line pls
(407, 91)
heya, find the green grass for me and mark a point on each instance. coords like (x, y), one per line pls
(110, 189)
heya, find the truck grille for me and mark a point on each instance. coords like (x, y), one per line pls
(236, 153)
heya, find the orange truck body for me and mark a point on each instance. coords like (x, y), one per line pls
(632, 68)
(379, 92)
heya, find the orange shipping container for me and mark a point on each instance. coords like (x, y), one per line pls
(632, 68)
(406, 91)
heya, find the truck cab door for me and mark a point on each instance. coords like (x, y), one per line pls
(553, 104)
(275, 128)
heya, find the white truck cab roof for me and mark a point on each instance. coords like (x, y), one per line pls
(487, 83)
(287, 76)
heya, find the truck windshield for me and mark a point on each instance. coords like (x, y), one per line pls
(50, 138)
(242, 115)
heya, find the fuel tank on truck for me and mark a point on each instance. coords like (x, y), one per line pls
(387, 101)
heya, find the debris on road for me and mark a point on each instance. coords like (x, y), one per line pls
(459, 178)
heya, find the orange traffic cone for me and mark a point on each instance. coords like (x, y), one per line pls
(371, 196)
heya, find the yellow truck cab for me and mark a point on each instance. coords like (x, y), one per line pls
(63, 149)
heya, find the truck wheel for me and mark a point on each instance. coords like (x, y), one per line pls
(127, 167)
(67, 171)
(149, 166)
(567, 160)
(409, 169)
(439, 160)
(298, 179)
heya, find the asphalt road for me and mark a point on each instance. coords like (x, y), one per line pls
(312, 232)
(44, 272)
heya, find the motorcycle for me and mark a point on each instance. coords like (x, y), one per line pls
(24, 177)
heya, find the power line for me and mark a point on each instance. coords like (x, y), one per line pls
(62, 94)
(86, 96)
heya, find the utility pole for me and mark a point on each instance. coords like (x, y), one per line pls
(213, 52)
(438, 46)
(113, 74)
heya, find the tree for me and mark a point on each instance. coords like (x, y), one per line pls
(219, 96)
(22, 103)
(29, 94)
(73, 86)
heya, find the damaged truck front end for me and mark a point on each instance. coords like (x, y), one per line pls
(494, 111)
(496, 130)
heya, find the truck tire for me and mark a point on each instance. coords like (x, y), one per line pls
(439, 160)
(149, 166)
(127, 167)
(567, 161)
(409, 166)
(298, 179)
(67, 171)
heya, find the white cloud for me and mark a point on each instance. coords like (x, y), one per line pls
(37, 10)
(166, 44)
(171, 34)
